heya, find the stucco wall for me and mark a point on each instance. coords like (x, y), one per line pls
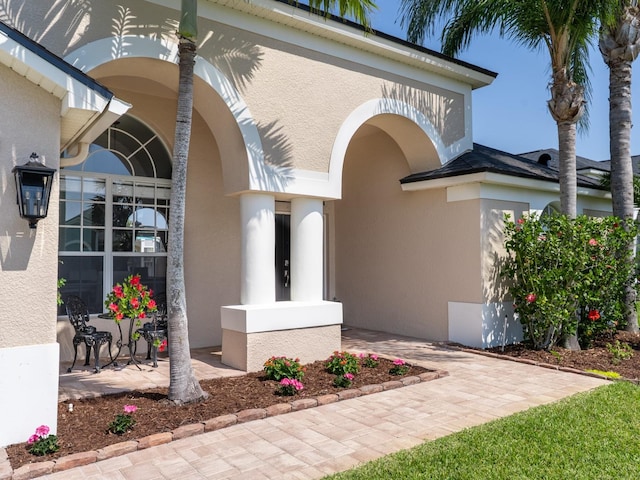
(401, 256)
(288, 89)
(29, 122)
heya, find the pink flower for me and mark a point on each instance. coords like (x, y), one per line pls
(521, 221)
(373, 356)
(130, 409)
(290, 382)
(398, 361)
(113, 307)
(349, 376)
(531, 298)
(362, 355)
(33, 439)
(593, 242)
(42, 431)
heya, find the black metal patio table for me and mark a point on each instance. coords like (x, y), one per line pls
(131, 343)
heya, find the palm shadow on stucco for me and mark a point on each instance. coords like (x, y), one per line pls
(439, 110)
(495, 287)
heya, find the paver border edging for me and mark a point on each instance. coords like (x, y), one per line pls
(537, 364)
(33, 470)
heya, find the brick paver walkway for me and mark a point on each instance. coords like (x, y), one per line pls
(311, 443)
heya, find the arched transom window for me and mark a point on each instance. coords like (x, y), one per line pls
(114, 213)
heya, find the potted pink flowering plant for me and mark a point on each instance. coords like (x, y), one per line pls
(130, 299)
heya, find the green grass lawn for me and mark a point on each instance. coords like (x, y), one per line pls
(594, 435)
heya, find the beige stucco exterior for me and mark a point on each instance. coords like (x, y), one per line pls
(28, 257)
(396, 251)
(298, 95)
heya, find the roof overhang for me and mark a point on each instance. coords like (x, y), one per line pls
(497, 179)
(87, 108)
(344, 32)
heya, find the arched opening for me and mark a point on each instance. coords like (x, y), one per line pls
(386, 239)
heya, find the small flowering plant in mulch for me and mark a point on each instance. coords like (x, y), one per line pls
(277, 368)
(400, 367)
(123, 421)
(289, 387)
(344, 381)
(42, 442)
(342, 362)
(369, 360)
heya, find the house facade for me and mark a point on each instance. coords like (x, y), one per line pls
(318, 193)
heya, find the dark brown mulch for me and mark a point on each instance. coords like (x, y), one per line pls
(598, 357)
(85, 429)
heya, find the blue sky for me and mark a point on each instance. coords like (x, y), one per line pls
(511, 114)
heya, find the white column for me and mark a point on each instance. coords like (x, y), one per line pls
(306, 250)
(258, 249)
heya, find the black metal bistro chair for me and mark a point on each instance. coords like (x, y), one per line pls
(157, 329)
(93, 339)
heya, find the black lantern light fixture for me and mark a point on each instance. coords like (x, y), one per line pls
(33, 184)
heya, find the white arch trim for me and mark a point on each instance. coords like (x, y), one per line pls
(105, 50)
(367, 111)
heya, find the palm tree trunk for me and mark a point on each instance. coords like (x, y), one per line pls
(620, 122)
(183, 385)
(567, 168)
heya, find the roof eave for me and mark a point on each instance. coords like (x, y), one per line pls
(352, 34)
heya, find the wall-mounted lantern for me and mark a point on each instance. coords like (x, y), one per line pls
(33, 183)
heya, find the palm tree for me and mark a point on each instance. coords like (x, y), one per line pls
(564, 27)
(620, 45)
(183, 385)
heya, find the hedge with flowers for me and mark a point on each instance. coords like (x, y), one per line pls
(568, 276)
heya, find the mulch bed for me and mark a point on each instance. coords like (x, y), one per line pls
(85, 429)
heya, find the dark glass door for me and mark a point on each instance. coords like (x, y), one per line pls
(283, 257)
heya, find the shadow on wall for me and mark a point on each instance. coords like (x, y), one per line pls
(500, 327)
(440, 107)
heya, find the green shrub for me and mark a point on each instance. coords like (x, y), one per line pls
(567, 276)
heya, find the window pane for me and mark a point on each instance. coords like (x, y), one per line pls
(93, 189)
(122, 240)
(122, 192)
(152, 270)
(69, 240)
(70, 187)
(93, 240)
(122, 216)
(70, 213)
(84, 279)
(93, 215)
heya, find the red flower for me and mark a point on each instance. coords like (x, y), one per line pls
(142, 315)
(119, 316)
(135, 303)
(163, 346)
(113, 307)
(135, 280)
(151, 304)
(593, 315)
(531, 298)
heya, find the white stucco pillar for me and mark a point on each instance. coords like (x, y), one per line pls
(306, 250)
(258, 249)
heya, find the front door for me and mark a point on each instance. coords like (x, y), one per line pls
(283, 257)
